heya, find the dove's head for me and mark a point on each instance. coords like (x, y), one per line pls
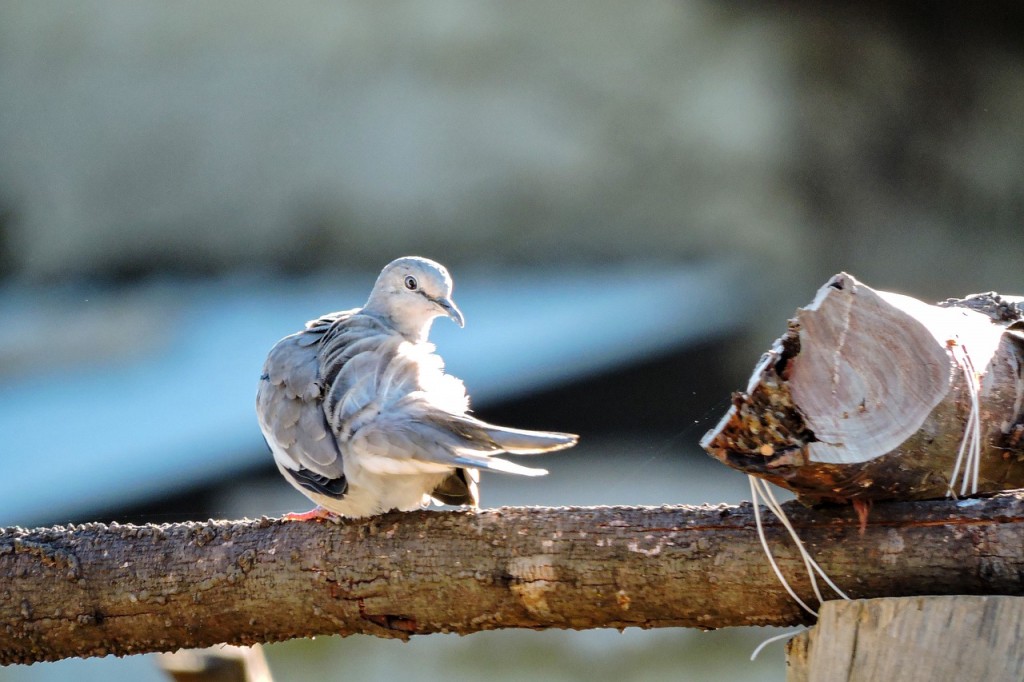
(410, 292)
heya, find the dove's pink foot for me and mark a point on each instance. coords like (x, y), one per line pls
(315, 514)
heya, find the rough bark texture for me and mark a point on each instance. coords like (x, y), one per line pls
(94, 589)
(912, 639)
(868, 395)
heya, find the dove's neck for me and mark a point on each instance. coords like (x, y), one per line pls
(411, 321)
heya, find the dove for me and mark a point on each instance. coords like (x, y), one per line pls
(361, 417)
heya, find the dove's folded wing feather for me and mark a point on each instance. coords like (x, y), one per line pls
(414, 439)
(400, 414)
(289, 407)
(514, 441)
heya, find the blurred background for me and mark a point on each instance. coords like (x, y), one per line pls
(632, 197)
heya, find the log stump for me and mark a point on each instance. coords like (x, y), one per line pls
(871, 395)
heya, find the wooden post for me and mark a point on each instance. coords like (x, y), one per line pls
(911, 639)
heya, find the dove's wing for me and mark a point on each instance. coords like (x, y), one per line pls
(400, 414)
(289, 406)
(413, 439)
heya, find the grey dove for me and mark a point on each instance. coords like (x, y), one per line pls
(361, 417)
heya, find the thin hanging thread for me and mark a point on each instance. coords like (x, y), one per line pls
(767, 550)
(761, 492)
(776, 638)
(968, 456)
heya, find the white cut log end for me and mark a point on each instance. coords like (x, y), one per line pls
(868, 372)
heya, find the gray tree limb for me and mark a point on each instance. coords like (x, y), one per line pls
(94, 589)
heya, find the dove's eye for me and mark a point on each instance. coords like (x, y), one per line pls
(410, 283)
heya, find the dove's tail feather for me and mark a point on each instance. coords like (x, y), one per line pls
(482, 461)
(523, 442)
(480, 436)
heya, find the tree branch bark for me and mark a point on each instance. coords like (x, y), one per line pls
(94, 589)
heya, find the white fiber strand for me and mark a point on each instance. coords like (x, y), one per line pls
(968, 459)
(808, 559)
(773, 507)
(768, 552)
(776, 638)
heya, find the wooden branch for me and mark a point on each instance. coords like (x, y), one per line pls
(869, 394)
(94, 589)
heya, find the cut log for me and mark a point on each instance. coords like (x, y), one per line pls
(912, 639)
(875, 395)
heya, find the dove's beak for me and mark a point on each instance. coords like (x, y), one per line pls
(451, 310)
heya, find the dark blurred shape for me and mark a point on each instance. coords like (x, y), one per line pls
(223, 663)
(665, 394)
